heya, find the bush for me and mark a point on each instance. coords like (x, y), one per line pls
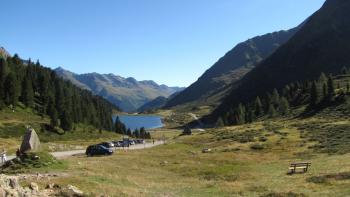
(257, 147)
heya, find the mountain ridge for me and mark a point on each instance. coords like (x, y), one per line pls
(127, 93)
(321, 45)
(232, 66)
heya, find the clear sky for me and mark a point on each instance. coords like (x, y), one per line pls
(169, 41)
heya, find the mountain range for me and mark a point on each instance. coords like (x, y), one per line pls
(216, 82)
(126, 93)
(321, 45)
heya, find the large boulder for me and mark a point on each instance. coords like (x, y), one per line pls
(31, 142)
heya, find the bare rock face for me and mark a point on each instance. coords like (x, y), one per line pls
(31, 142)
(10, 187)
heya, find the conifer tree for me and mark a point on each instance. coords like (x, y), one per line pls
(11, 89)
(258, 107)
(3, 75)
(272, 111)
(128, 132)
(331, 90)
(240, 115)
(219, 123)
(284, 106)
(325, 90)
(137, 133)
(66, 121)
(314, 97)
(27, 92)
(347, 87)
(275, 98)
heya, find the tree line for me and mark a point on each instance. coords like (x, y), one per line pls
(41, 89)
(137, 133)
(273, 104)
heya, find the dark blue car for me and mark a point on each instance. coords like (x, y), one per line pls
(98, 150)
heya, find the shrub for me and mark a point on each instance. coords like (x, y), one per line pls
(257, 146)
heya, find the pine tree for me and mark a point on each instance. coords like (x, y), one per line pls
(275, 99)
(219, 123)
(347, 87)
(284, 106)
(143, 132)
(27, 92)
(11, 89)
(331, 90)
(272, 111)
(314, 97)
(325, 90)
(128, 132)
(344, 70)
(322, 78)
(258, 107)
(240, 115)
(66, 121)
(137, 133)
(3, 75)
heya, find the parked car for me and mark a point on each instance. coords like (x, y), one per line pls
(118, 144)
(140, 141)
(107, 144)
(98, 150)
(132, 142)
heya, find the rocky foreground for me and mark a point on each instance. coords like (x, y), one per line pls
(10, 186)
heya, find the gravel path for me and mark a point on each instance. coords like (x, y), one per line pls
(63, 154)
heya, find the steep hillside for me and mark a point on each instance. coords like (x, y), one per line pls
(156, 103)
(232, 67)
(40, 90)
(127, 93)
(321, 45)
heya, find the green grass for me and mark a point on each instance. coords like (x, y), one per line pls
(27, 163)
(13, 126)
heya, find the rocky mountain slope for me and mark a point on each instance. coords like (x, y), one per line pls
(127, 93)
(321, 45)
(215, 82)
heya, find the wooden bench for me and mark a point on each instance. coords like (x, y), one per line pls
(304, 166)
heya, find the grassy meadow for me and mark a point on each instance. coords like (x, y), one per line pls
(249, 160)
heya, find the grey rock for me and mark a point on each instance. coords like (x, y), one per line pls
(31, 142)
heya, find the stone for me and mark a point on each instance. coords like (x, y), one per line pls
(2, 192)
(164, 162)
(206, 150)
(31, 142)
(74, 191)
(33, 186)
(13, 183)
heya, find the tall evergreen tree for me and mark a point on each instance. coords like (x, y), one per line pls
(66, 121)
(331, 89)
(275, 98)
(3, 75)
(258, 107)
(11, 89)
(284, 106)
(314, 96)
(27, 92)
(272, 111)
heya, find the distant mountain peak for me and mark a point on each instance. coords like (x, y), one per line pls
(127, 93)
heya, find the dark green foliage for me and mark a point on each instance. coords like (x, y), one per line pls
(187, 131)
(331, 89)
(289, 194)
(66, 121)
(284, 106)
(314, 96)
(40, 88)
(27, 92)
(11, 90)
(219, 123)
(272, 111)
(258, 107)
(119, 127)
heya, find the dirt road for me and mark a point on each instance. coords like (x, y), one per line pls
(75, 152)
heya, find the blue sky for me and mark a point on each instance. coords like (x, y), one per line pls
(169, 41)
